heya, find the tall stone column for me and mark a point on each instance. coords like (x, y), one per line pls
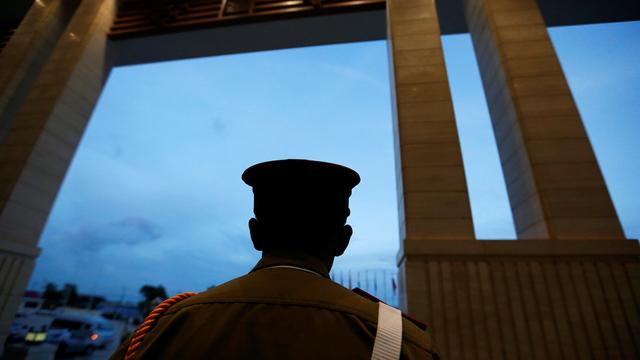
(554, 183)
(432, 191)
(30, 47)
(43, 135)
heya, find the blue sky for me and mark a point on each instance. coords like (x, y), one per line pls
(154, 195)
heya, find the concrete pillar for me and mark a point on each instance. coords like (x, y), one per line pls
(27, 52)
(432, 190)
(433, 199)
(554, 183)
(42, 138)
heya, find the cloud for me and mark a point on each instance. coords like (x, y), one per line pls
(132, 230)
(351, 74)
(194, 263)
(219, 125)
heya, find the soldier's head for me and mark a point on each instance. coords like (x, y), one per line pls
(301, 205)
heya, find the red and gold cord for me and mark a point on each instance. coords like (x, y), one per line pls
(150, 322)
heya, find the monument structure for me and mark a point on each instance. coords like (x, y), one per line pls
(569, 287)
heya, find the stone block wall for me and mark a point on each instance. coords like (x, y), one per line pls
(531, 299)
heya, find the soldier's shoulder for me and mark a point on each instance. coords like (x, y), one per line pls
(311, 291)
(284, 288)
(413, 330)
(296, 288)
(225, 290)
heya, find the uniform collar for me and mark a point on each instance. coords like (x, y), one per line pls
(301, 260)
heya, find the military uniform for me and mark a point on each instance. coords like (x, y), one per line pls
(287, 307)
(277, 311)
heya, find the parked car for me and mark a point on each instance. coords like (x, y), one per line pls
(17, 333)
(74, 333)
(106, 332)
(27, 330)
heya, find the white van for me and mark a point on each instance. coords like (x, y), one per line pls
(74, 333)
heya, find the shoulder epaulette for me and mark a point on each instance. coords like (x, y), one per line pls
(370, 297)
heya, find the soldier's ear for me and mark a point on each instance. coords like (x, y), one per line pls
(256, 236)
(343, 240)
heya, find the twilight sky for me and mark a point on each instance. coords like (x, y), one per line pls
(154, 195)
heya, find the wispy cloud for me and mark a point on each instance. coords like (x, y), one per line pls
(130, 231)
(219, 125)
(352, 74)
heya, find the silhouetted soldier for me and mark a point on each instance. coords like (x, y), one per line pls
(287, 307)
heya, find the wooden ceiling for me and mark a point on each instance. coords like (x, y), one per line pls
(147, 17)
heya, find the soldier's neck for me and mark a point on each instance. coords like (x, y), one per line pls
(321, 264)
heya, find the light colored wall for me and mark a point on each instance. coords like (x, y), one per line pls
(527, 299)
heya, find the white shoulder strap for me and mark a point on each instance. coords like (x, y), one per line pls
(389, 334)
